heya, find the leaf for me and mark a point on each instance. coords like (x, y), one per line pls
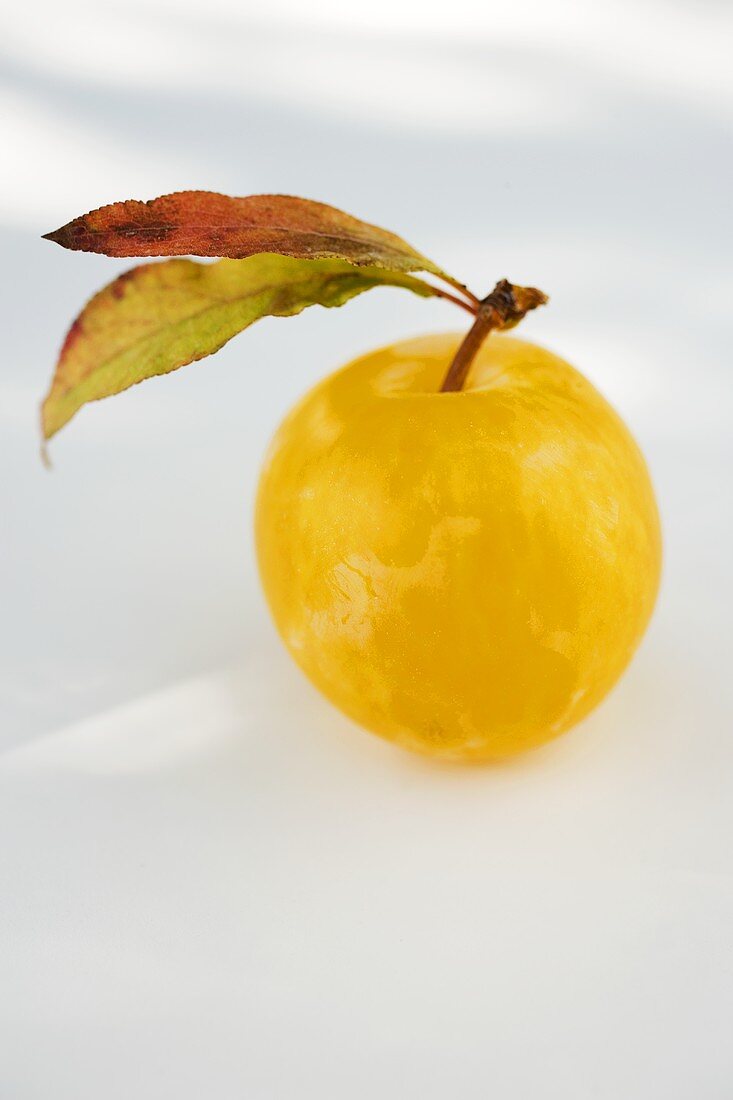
(203, 223)
(160, 316)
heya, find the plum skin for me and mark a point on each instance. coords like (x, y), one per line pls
(465, 574)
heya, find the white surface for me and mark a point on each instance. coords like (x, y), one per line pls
(226, 890)
(210, 882)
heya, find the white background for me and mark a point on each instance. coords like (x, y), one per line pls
(210, 882)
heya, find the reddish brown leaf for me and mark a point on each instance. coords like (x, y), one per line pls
(203, 223)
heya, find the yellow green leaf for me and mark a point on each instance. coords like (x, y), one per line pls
(160, 316)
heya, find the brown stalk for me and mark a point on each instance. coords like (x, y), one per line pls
(503, 308)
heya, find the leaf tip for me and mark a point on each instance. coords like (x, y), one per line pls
(45, 436)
